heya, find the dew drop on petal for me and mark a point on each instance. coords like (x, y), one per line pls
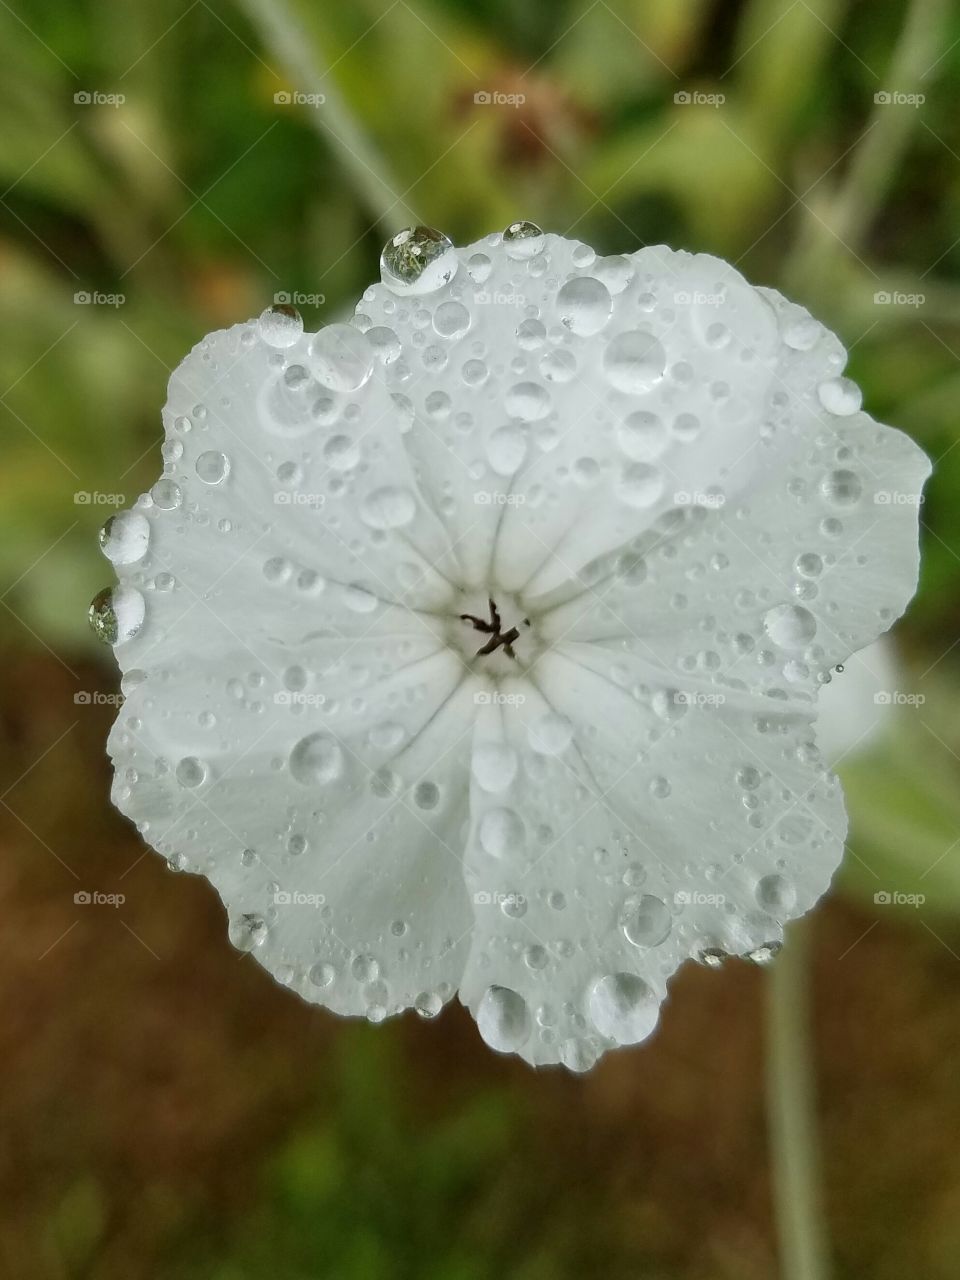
(840, 396)
(585, 305)
(281, 326)
(417, 260)
(506, 450)
(640, 485)
(634, 361)
(842, 488)
(646, 921)
(341, 357)
(623, 1008)
(451, 320)
(341, 453)
(501, 833)
(322, 975)
(388, 508)
(428, 1004)
(503, 1019)
(790, 626)
(247, 931)
(125, 537)
(191, 772)
(212, 467)
(116, 614)
(494, 766)
(528, 401)
(166, 495)
(803, 335)
(317, 758)
(550, 735)
(642, 436)
(776, 895)
(523, 240)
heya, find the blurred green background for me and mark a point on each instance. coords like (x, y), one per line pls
(166, 1110)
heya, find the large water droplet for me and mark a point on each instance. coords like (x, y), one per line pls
(623, 1008)
(642, 436)
(640, 485)
(116, 614)
(842, 488)
(318, 758)
(523, 240)
(125, 537)
(191, 772)
(840, 396)
(212, 467)
(166, 495)
(646, 921)
(281, 326)
(551, 735)
(503, 1019)
(634, 361)
(388, 508)
(341, 357)
(417, 260)
(790, 626)
(585, 305)
(247, 931)
(506, 450)
(501, 833)
(494, 766)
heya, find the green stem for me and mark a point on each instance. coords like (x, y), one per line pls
(791, 1118)
(298, 53)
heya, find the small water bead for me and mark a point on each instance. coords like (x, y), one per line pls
(642, 436)
(749, 777)
(790, 626)
(840, 396)
(810, 565)
(191, 772)
(426, 795)
(659, 788)
(523, 240)
(615, 272)
(842, 488)
(248, 931)
(584, 305)
(765, 954)
(428, 1004)
(384, 343)
(297, 844)
(506, 450)
(559, 365)
(281, 326)
(646, 921)
(116, 614)
(776, 895)
(166, 495)
(513, 905)
(212, 467)
(417, 260)
(623, 1008)
(451, 320)
(342, 358)
(183, 425)
(164, 582)
(365, 968)
(550, 735)
(171, 451)
(341, 453)
(358, 599)
(535, 957)
(634, 361)
(125, 537)
(388, 508)
(387, 736)
(503, 1019)
(640, 485)
(803, 335)
(479, 266)
(502, 833)
(317, 759)
(557, 900)
(277, 569)
(321, 974)
(528, 401)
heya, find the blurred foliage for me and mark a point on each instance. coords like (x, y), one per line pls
(199, 197)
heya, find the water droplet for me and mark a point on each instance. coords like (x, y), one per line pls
(247, 931)
(840, 396)
(790, 626)
(502, 833)
(212, 467)
(341, 453)
(317, 758)
(803, 335)
(642, 436)
(426, 795)
(634, 361)
(506, 450)
(842, 488)
(428, 1004)
(365, 968)
(417, 260)
(191, 772)
(322, 975)
(809, 565)
(341, 358)
(166, 495)
(640, 485)
(388, 508)
(528, 401)
(776, 895)
(281, 326)
(384, 344)
(551, 735)
(451, 320)
(503, 1019)
(585, 305)
(523, 239)
(125, 537)
(646, 921)
(623, 1008)
(116, 614)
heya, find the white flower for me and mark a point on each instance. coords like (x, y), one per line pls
(651, 492)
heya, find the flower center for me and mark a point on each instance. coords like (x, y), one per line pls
(494, 634)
